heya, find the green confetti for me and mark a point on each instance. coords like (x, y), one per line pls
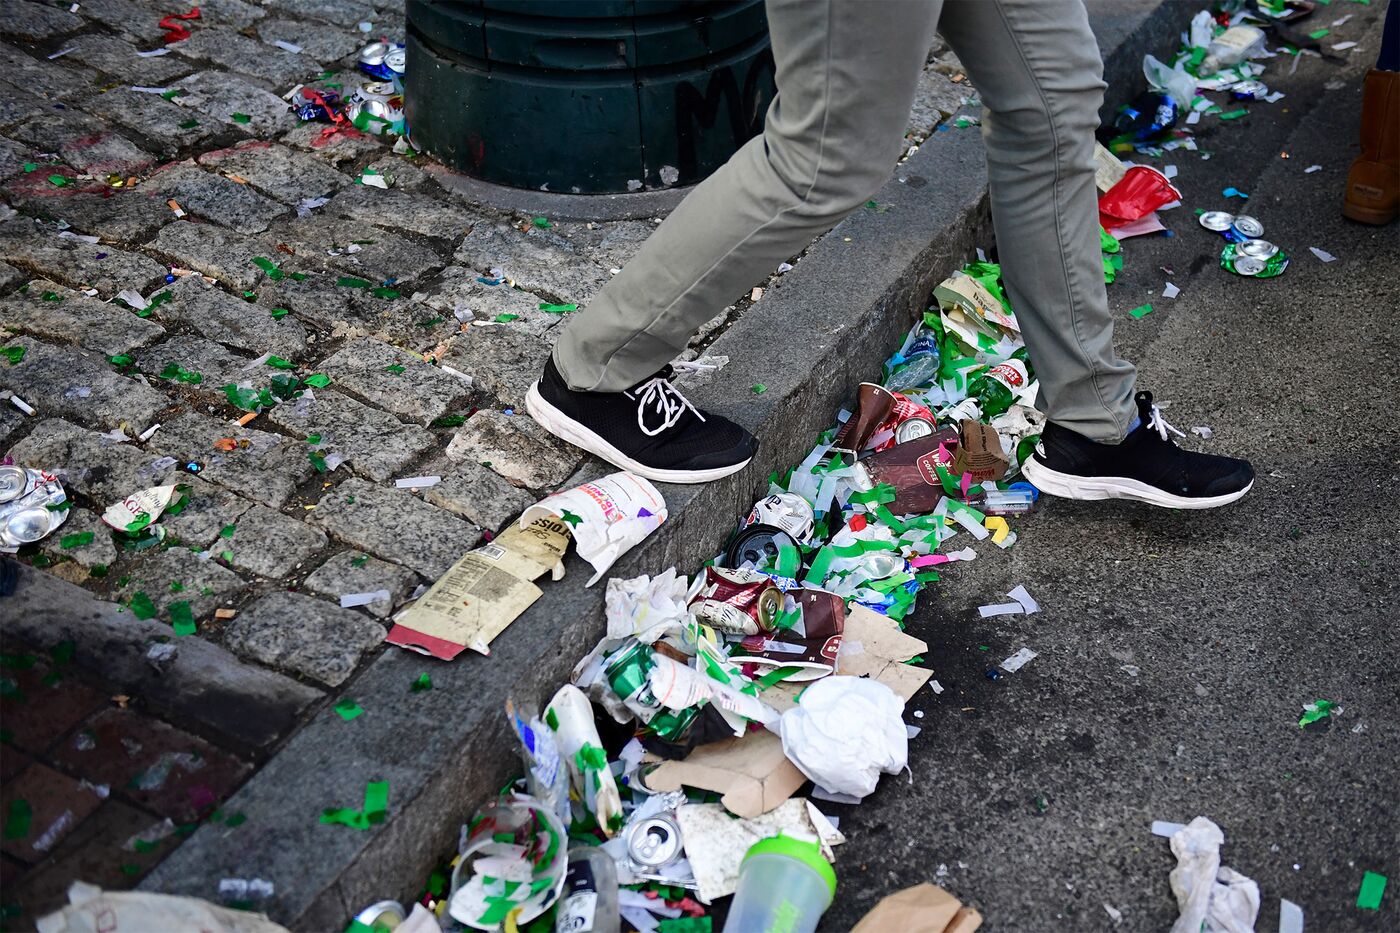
(685, 924)
(13, 354)
(78, 539)
(121, 359)
(179, 373)
(276, 362)
(1318, 33)
(376, 803)
(318, 460)
(97, 571)
(759, 388)
(226, 555)
(423, 682)
(173, 93)
(349, 281)
(396, 369)
(227, 531)
(51, 296)
(241, 118)
(432, 322)
(1141, 311)
(360, 561)
(1317, 709)
(349, 709)
(63, 506)
(449, 421)
(236, 820)
(189, 124)
(18, 816)
(30, 166)
(278, 313)
(182, 618)
(1368, 898)
(542, 222)
(569, 517)
(58, 181)
(141, 605)
(130, 870)
(268, 266)
(506, 318)
(384, 292)
(558, 309)
(317, 380)
(176, 586)
(1234, 114)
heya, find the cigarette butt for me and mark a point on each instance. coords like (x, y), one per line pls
(224, 615)
(175, 206)
(146, 434)
(21, 404)
(238, 178)
(246, 418)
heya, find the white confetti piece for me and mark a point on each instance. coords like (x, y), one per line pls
(374, 181)
(1165, 829)
(1018, 660)
(149, 90)
(366, 26)
(1290, 917)
(1170, 290)
(1193, 117)
(1001, 609)
(1322, 254)
(1113, 912)
(288, 47)
(1275, 97)
(1342, 20)
(64, 52)
(1343, 46)
(351, 600)
(153, 53)
(1312, 168)
(417, 482)
(936, 686)
(1027, 602)
(1169, 171)
(1202, 431)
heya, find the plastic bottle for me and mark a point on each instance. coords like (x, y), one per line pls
(589, 904)
(921, 363)
(785, 885)
(996, 389)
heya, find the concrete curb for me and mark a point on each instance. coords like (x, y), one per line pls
(826, 326)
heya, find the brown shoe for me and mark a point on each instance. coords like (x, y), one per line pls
(1373, 184)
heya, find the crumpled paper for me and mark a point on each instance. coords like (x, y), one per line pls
(844, 732)
(647, 607)
(90, 910)
(1211, 898)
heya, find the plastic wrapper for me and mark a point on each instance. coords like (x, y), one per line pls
(545, 775)
(845, 732)
(139, 509)
(1176, 82)
(607, 517)
(570, 717)
(1212, 898)
(92, 910)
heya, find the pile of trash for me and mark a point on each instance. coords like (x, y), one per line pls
(374, 106)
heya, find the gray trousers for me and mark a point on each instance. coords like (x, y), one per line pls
(846, 76)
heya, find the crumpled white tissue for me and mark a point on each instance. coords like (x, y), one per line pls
(647, 607)
(844, 732)
(1211, 898)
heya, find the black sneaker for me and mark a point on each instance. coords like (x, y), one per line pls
(650, 429)
(1146, 467)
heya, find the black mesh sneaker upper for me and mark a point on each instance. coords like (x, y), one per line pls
(689, 442)
(1145, 456)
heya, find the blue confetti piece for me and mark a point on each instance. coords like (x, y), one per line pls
(1233, 192)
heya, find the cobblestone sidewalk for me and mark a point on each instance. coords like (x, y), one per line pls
(396, 328)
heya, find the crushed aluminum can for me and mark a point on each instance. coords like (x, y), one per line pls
(1258, 249)
(653, 843)
(626, 674)
(1233, 260)
(378, 60)
(1247, 227)
(785, 511)
(738, 602)
(1217, 221)
(395, 61)
(1250, 90)
(757, 544)
(385, 915)
(25, 500)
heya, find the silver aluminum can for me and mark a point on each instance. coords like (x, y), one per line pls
(395, 60)
(655, 842)
(384, 914)
(26, 517)
(1219, 221)
(1248, 265)
(374, 53)
(14, 482)
(786, 510)
(911, 429)
(1258, 249)
(1248, 227)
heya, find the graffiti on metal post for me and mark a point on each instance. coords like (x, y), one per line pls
(698, 112)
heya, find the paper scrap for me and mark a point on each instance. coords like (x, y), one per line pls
(606, 517)
(1141, 311)
(1169, 170)
(1343, 46)
(351, 600)
(417, 482)
(937, 687)
(1170, 290)
(1312, 168)
(1001, 609)
(1290, 917)
(1024, 598)
(139, 509)
(1322, 254)
(1166, 829)
(1202, 431)
(1018, 660)
(1318, 709)
(1114, 913)
(923, 908)
(715, 842)
(751, 773)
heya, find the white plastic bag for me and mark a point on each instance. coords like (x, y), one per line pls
(1178, 82)
(1211, 899)
(844, 732)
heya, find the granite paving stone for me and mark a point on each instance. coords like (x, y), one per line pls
(267, 470)
(79, 264)
(936, 99)
(318, 300)
(57, 80)
(115, 215)
(85, 143)
(11, 420)
(89, 464)
(69, 383)
(337, 148)
(515, 447)
(28, 19)
(235, 13)
(118, 59)
(164, 769)
(267, 64)
(502, 360)
(285, 174)
(208, 510)
(215, 197)
(202, 582)
(18, 106)
(538, 261)
(221, 95)
(39, 709)
(104, 328)
(233, 322)
(132, 21)
(396, 526)
(395, 380)
(220, 254)
(304, 635)
(64, 542)
(339, 12)
(316, 41)
(165, 128)
(480, 495)
(359, 251)
(13, 157)
(432, 217)
(351, 572)
(267, 543)
(375, 444)
(57, 804)
(403, 175)
(216, 366)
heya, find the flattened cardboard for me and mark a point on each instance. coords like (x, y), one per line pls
(751, 772)
(874, 646)
(923, 908)
(483, 593)
(979, 452)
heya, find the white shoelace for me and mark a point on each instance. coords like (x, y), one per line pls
(666, 399)
(1159, 424)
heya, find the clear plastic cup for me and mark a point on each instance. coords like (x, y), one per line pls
(785, 885)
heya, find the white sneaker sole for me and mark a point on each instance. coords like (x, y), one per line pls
(562, 426)
(1069, 486)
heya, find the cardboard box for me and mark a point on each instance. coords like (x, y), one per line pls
(750, 772)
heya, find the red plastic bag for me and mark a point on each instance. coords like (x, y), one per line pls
(1138, 193)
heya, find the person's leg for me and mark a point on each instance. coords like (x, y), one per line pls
(846, 76)
(1036, 68)
(1035, 64)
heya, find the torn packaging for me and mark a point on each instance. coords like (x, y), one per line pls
(484, 592)
(751, 773)
(923, 908)
(813, 654)
(979, 453)
(715, 842)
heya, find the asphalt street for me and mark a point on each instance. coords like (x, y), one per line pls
(1176, 649)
